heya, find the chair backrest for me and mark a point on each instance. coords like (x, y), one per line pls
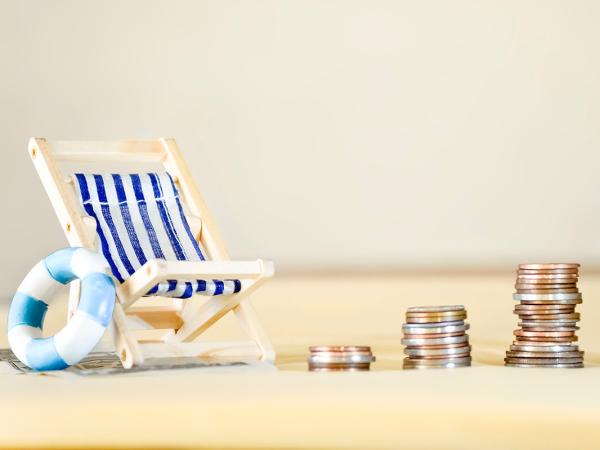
(138, 217)
(48, 156)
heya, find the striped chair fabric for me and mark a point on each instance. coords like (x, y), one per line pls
(140, 217)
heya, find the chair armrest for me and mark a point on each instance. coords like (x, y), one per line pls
(186, 270)
(157, 270)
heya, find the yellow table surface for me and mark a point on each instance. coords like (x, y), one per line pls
(484, 406)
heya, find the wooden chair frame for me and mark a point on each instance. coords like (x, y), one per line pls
(157, 327)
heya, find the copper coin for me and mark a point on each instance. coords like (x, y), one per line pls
(552, 307)
(359, 368)
(546, 266)
(435, 309)
(575, 316)
(549, 289)
(544, 334)
(437, 314)
(531, 309)
(433, 319)
(340, 348)
(541, 312)
(544, 284)
(548, 271)
(515, 354)
(553, 340)
(432, 335)
(548, 312)
(446, 356)
(341, 354)
(548, 296)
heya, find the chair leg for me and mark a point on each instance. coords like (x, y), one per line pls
(126, 345)
(197, 318)
(248, 320)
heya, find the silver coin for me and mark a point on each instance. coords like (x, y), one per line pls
(551, 302)
(437, 351)
(360, 359)
(434, 309)
(436, 341)
(547, 276)
(453, 323)
(544, 348)
(439, 363)
(544, 361)
(548, 323)
(520, 341)
(546, 366)
(548, 291)
(571, 296)
(338, 364)
(547, 328)
(434, 330)
(515, 354)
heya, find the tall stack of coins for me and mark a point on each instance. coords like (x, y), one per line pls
(435, 337)
(340, 358)
(547, 296)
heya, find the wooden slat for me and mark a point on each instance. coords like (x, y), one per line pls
(107, 151)
(142, 157)
(233, 350)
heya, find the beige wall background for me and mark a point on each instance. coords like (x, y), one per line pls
(326, 135)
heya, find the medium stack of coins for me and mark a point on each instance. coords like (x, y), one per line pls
(340, 358)
(435, 337)
(547, 296)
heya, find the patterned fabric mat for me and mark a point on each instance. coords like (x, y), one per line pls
(107, 363)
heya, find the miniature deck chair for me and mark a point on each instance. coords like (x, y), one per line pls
(162, 246)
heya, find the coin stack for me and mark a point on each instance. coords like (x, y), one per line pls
(435, 337)
(547, 296)
(340, 358)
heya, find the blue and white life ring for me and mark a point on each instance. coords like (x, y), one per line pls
(86, 327)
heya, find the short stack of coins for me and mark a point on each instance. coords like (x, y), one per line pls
(546, 337)
(340, 358)
(435, 337)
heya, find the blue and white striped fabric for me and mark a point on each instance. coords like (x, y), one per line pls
(86, 327)
(139, 217)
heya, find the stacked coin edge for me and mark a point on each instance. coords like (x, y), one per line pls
(340, 358)
(435, 337)
(546, 337)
